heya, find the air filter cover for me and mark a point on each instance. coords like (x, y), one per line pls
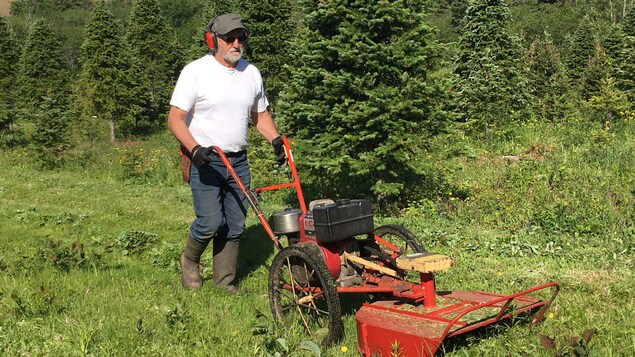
(287, 221)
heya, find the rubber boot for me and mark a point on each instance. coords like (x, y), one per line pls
(190, 259)
(224, 265)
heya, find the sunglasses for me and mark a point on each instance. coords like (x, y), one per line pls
(242, 38)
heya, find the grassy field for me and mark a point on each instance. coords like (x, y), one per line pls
(88, 253)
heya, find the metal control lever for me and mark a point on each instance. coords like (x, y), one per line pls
(255, 195)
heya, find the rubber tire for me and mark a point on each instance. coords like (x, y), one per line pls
(405, 240)
(303, 264)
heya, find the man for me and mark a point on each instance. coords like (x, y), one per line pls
(218, 93)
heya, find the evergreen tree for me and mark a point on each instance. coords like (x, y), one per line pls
(489, 83)
(614, 42)
(41, 68)
(582, 50)
(626, 80)
(608, 103)
(49, 139)
(597, 70)
(360, 96)
(153, 44)
(457, 8)
(218, 7)
(66, 17)
(629, 23)
(108, 86)
(183, 16)
(547, 79)
(271, 27)
(625, 77)
(8, 72)
(620, 57)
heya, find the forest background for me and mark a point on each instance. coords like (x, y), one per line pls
(498, 132)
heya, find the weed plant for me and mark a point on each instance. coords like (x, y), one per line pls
(89, 251)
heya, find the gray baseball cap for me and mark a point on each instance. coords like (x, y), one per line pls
(226, 23)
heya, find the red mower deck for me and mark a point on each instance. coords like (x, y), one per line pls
(387, 326)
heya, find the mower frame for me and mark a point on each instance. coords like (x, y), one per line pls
(312, 267)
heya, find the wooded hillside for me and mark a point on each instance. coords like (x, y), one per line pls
(395, 74)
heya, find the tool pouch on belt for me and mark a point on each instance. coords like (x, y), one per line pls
(185, 164)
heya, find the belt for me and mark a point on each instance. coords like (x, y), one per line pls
(236, 154)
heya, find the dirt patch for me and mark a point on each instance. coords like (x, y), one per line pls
(4, 7)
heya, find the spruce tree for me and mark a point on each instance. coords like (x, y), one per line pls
(608, 103)
(49, 139)
(271, 27)
(154, 46)
(582, 49)
(108, 87)
(547, 79)
(457, 8)
(629, 22)
(626, 65)
(41, 68)
(626, 81)
(8, 72)
(596, 71)
(360, 97)
(614, 43)
(489, 83)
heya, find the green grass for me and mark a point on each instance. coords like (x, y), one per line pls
(562, 212)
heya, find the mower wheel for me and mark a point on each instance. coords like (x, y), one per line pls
(400, 237)
(301, 289)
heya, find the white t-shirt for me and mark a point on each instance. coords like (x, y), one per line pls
(219, 101)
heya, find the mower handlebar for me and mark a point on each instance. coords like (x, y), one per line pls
(251, 195)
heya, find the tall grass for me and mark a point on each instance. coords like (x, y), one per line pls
(88, 252)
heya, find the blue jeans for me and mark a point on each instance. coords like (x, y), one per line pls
(219, 205)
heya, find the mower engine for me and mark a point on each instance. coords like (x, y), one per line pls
(333, 225)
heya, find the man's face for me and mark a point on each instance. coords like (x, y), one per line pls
(231, 46)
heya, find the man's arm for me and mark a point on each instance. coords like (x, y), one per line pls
(265, 125)
(176, 123)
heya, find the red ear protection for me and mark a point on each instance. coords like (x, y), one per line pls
(210, 40)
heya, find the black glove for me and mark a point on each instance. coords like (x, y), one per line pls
(200, 155)
(278, 151)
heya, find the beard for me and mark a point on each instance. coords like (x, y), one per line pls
(232, 57)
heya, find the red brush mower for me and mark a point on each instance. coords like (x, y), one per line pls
(334, 248)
